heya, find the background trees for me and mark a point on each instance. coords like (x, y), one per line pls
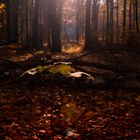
(44, 23)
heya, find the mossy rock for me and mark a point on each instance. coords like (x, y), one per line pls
(62, 69)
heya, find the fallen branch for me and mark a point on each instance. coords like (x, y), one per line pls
(2, 43)
(105, 49)
(38, 60)
(115, 68)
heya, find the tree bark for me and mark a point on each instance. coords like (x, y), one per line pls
(124, 17)
(36, 38)
(130, 15)
(8, 19)
(88, 42)
(54, 23)
(15, 9)
(136, 14)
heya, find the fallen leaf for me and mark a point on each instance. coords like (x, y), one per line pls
(89, 115)
(137, 98)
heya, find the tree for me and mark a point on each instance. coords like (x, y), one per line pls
(117, 20)
(130, 15)
(15, 9)
(54, 25)
(95, 18)
(88, 40)
(8, 19)
(78, 22)
(124, 17)
(36, 36)
(107, 18)
(136, 14)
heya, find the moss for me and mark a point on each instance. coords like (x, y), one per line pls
(62, 69)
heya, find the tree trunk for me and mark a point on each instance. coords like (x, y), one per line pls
(124, 18)
(136, 14)
(8, 19)
(107, 20)
(95, 12)
(130, 16)
(88, 44)
(111, 21)
(54, 23)
(117, 24)
(15, 8)
(77, 23)
(36, 39)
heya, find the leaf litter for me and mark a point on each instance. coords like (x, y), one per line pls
(67, 113)
(56, 113)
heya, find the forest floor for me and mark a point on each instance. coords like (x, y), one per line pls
(52, 111)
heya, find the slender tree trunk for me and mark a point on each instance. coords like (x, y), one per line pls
(27, 24)
(77, 23)
(8, 19)
(95, 13)
(124, 18)
(117, 23)
(48, 32)
(136, 14)
(103, 26)
(111, 21)
(36, 40)
(88, 44)
(82, 19)
(130, 16)
(55, 27)
(15, 9)
(107, 19)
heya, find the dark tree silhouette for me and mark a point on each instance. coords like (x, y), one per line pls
(88, 43)
(36, 36)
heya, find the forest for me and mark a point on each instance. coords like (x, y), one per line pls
(69, 69)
